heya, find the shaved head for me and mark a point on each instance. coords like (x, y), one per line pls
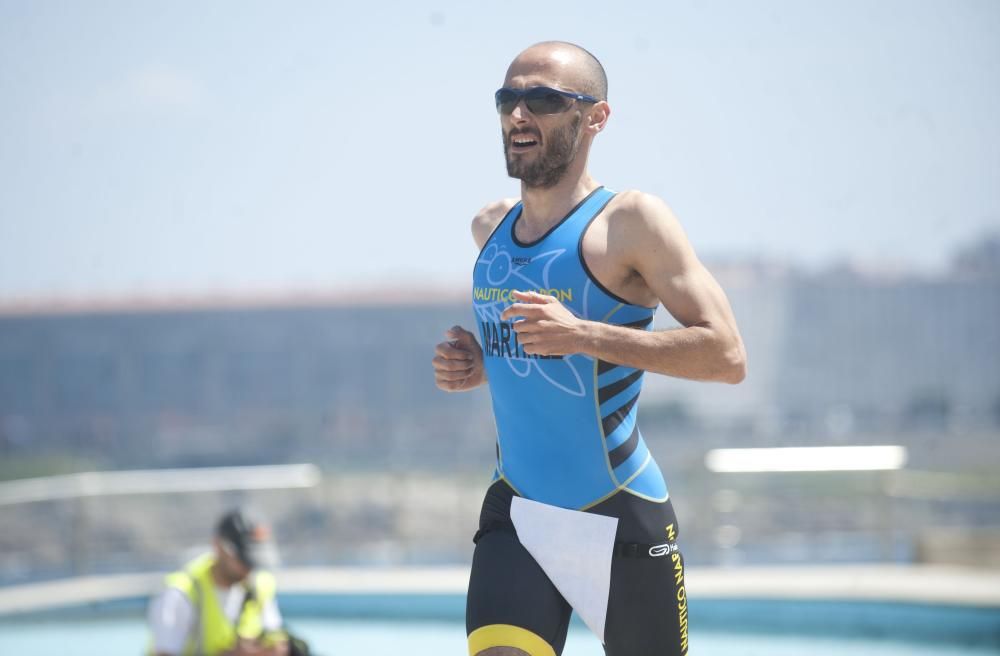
(541, 148)
(574, 68)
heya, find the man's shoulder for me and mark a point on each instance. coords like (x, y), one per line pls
(263, 582)
(493, 213)
(633, 204)
(644, 215)
(489, 216)
(169, 603)
(640, 222)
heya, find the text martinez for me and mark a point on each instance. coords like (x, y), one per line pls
(500, 341)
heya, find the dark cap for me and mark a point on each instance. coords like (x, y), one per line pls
(247, 538)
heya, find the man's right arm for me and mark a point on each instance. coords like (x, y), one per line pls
(171, 617)
(458, 361)
(487, 219)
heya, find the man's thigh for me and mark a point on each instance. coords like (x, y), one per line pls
(647, 607)
(511, 602)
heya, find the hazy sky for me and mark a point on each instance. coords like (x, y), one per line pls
(232, 146)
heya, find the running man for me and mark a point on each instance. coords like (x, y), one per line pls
(564, 290)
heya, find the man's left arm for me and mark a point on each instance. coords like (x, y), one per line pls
(275, 641)
(707, 347)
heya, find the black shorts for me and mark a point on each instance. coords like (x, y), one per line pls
(512, 603)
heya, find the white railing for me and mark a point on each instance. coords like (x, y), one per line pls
(159, 481)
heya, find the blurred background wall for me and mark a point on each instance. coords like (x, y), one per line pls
(843, 357)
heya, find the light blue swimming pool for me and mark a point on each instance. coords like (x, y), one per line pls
(124, 636)
(432, 624)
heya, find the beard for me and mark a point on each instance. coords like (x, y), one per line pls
(551, 165)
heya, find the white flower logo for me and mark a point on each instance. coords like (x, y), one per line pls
(500, 269)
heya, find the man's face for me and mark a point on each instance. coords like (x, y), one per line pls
(230, 566)
(539, 149)
(538, 154)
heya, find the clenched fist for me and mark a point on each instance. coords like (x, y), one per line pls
(458, 362)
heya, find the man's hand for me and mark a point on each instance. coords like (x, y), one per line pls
(247, 647)
(546, 326)
(458, 362)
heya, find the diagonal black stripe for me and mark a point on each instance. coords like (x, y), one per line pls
(621, 453)
(641, 323)
(610, 423)
(616, 387)
(603, 367)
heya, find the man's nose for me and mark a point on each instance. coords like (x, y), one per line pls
(520, 112)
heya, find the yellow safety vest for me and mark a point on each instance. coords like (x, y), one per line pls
(213, 633)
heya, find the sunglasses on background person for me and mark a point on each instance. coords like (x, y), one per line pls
(538, 100)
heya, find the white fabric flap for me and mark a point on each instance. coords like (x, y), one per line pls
(574, 549)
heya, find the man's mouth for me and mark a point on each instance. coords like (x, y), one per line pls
(522, 142)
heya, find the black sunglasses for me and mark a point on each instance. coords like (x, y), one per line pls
(538, 100)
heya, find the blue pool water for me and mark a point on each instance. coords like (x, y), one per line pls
(121, 636)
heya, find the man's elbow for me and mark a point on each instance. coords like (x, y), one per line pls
(734, 369)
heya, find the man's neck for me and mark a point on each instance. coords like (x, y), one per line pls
(543, 208)
(217, 576)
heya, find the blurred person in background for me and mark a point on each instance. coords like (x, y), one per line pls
(222, 603)
(564, 289)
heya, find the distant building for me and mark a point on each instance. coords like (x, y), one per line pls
(830, 356)
(203, 386)
(847, 352)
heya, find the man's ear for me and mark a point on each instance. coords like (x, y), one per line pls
(598, 116)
